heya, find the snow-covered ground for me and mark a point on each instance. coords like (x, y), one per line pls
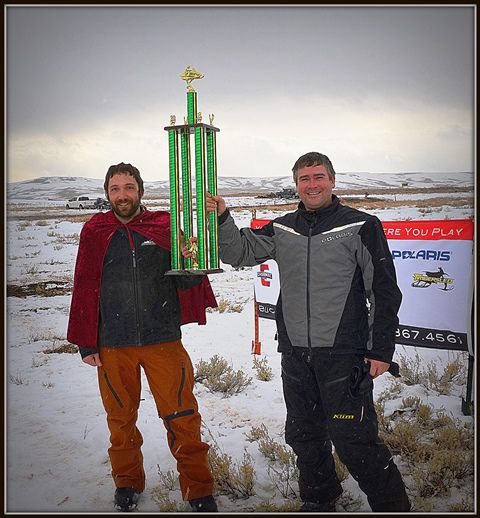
(57, 436)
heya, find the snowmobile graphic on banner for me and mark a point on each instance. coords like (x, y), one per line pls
(421, 280)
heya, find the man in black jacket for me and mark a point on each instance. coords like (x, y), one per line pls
(336, 318)
(125, 316)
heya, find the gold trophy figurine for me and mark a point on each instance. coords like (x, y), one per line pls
(192, 247)
(189, 75)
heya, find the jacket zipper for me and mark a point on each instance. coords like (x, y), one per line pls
(135, 286)
(309, 340)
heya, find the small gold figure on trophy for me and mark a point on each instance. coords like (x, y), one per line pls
(192, 247)
(211, 117)
(173, 119)
(199, 116)
(189, 75)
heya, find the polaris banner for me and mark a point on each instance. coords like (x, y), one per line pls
(434, 264)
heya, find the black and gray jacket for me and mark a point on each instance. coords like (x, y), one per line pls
(139, 304)
(338, 288)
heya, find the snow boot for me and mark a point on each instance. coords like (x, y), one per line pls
(126, 499)
(205, 504)
(318, 507)
(402, 504)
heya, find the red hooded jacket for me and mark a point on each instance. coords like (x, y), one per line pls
(94, 240)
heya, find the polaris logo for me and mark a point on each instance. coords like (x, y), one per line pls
(338, 236)
(429, 255)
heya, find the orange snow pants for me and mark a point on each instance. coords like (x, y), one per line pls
(169, 372)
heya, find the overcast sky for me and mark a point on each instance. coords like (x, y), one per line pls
(380, 89)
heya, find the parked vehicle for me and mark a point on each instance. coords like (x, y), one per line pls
(80, 202)
(102, 204)
(287, 192)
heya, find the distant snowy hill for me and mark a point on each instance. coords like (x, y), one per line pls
(64, 187)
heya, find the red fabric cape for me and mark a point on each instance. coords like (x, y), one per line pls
(94, 240)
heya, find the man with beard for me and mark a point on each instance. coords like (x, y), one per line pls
(126, 314)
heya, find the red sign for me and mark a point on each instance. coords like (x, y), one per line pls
(460, 229)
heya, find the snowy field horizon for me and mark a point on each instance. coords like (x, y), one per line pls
(64, 187)
(56, 433)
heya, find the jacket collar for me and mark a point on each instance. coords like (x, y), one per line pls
(320, 213)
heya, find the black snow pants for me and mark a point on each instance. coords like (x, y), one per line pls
(325, 406)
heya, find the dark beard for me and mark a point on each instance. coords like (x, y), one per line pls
(126, 212)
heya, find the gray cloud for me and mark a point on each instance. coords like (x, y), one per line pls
(70, 69)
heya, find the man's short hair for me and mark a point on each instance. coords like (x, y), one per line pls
(312, 159)
(123, 168)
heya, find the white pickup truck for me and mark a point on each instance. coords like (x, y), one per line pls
(81, 202)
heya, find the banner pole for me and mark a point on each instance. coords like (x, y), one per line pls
(256, 345)
(467, 402)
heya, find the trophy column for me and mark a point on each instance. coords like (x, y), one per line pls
(174, 197)
(212, 189)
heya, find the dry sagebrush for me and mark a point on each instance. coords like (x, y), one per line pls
(218, 376)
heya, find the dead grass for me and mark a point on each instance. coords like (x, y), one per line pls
(61, 349)
(58, 215)
(264, 372)
(168, 479)
(281, 461)
(225, 306)
(232, 478)
(437, 450)
(165, 505)
(218, 376)
(464, 506)
(370, 204)
(288, 506)
(429, 203)
(41, 289)
(415, 372)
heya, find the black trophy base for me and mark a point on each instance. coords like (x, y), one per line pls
(194, 271)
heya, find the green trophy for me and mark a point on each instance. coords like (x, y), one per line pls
(204, 248)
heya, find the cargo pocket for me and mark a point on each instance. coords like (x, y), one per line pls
(353, 395)
(361, 382)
